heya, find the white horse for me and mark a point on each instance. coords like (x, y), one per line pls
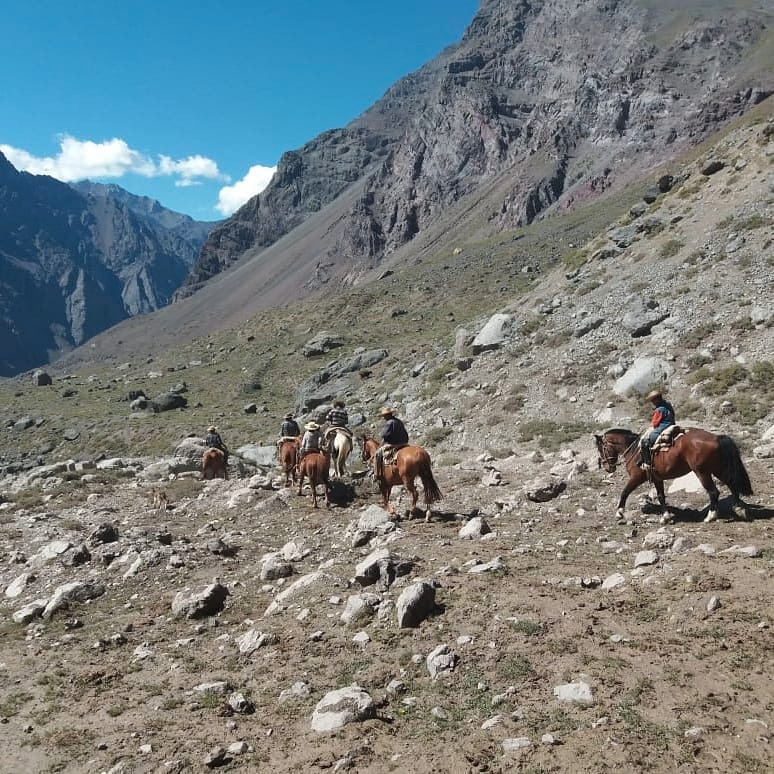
(341, 446)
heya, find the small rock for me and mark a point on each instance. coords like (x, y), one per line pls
(515, 744)
(441, 659)
(645, 558)
(578, 692)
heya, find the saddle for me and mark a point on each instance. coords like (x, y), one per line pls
(387, 457)
(287, 438)
(331, 431)
(667, 437)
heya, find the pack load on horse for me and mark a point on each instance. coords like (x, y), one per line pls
(689, 449)
(313, 461)
(663, 418)
(404, 464)
(215, 456)
(338, 437)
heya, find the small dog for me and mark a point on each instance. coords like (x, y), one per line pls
(160, 500)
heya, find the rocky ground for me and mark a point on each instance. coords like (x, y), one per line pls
(225, 618)
(552, 639)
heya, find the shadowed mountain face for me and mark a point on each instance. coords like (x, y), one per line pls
(543, 104)
(75, 260)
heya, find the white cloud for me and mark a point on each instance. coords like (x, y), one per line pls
(232, 197)
(81, 159)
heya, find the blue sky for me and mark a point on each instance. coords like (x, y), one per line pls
(179, 100)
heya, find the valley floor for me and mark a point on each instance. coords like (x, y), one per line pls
(677, 682)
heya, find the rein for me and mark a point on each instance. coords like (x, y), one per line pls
(612, 459)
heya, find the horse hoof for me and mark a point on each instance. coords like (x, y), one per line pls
(711, 516)
(428, 514)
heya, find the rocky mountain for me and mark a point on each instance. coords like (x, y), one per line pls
(527, 625)
(542, 105)
(75, 260)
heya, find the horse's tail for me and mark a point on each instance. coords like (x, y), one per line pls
(736, 478)
(432, 492)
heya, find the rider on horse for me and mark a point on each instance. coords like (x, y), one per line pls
(289, 430)
(394, 435)
(289, 427)
(312, 439)
(663, 417)
(337, 419)
(214, 441)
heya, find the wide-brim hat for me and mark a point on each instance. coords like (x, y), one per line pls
(654, 394)
(212, 429)
(289, 415)
(385, 412)
(311, 426)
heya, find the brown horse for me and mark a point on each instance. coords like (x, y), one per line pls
(704, 453)
(315, 466)
(409, 462)
(288, 456)
(214, 464)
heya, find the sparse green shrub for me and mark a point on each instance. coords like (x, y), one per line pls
(436, 379)
(531, 324)
(752, 222)
(720, 381)
(551, 435)
(697, 361)
(514, 403)
(695, 337)
(575, 259)
(437, 434)
(670, 248)
(748, 409)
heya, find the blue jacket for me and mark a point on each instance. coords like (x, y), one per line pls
(394, 432)
(289, 428)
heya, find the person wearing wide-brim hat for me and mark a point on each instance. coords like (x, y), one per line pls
(663, 417)
(214, 441)
(394, 435)
(312, 439)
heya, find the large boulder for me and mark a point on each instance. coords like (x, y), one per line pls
(168, 401)
(321, 343)
(41, 379)
(641, 315)
(191, 450)
(199, 604)
(642, 375)
(415, 603)
(76, 591)
(338, 708)
(497, 330)
(260, 456)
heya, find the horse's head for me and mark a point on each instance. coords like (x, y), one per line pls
(608, 452)
(369, 447)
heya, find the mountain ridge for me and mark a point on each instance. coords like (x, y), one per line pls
(78, 259)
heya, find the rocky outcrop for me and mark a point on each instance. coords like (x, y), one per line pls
(541, 104)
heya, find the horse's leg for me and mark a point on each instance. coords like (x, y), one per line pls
(666, 517)
(300, 480)
(385, 489)
(313, 482)
(714, 495)
(635, 479)
(412, 490)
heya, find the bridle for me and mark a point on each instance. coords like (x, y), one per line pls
(608, 454)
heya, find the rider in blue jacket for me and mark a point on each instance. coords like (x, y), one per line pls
(663, 417)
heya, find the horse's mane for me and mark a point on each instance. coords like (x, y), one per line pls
(620, 431)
